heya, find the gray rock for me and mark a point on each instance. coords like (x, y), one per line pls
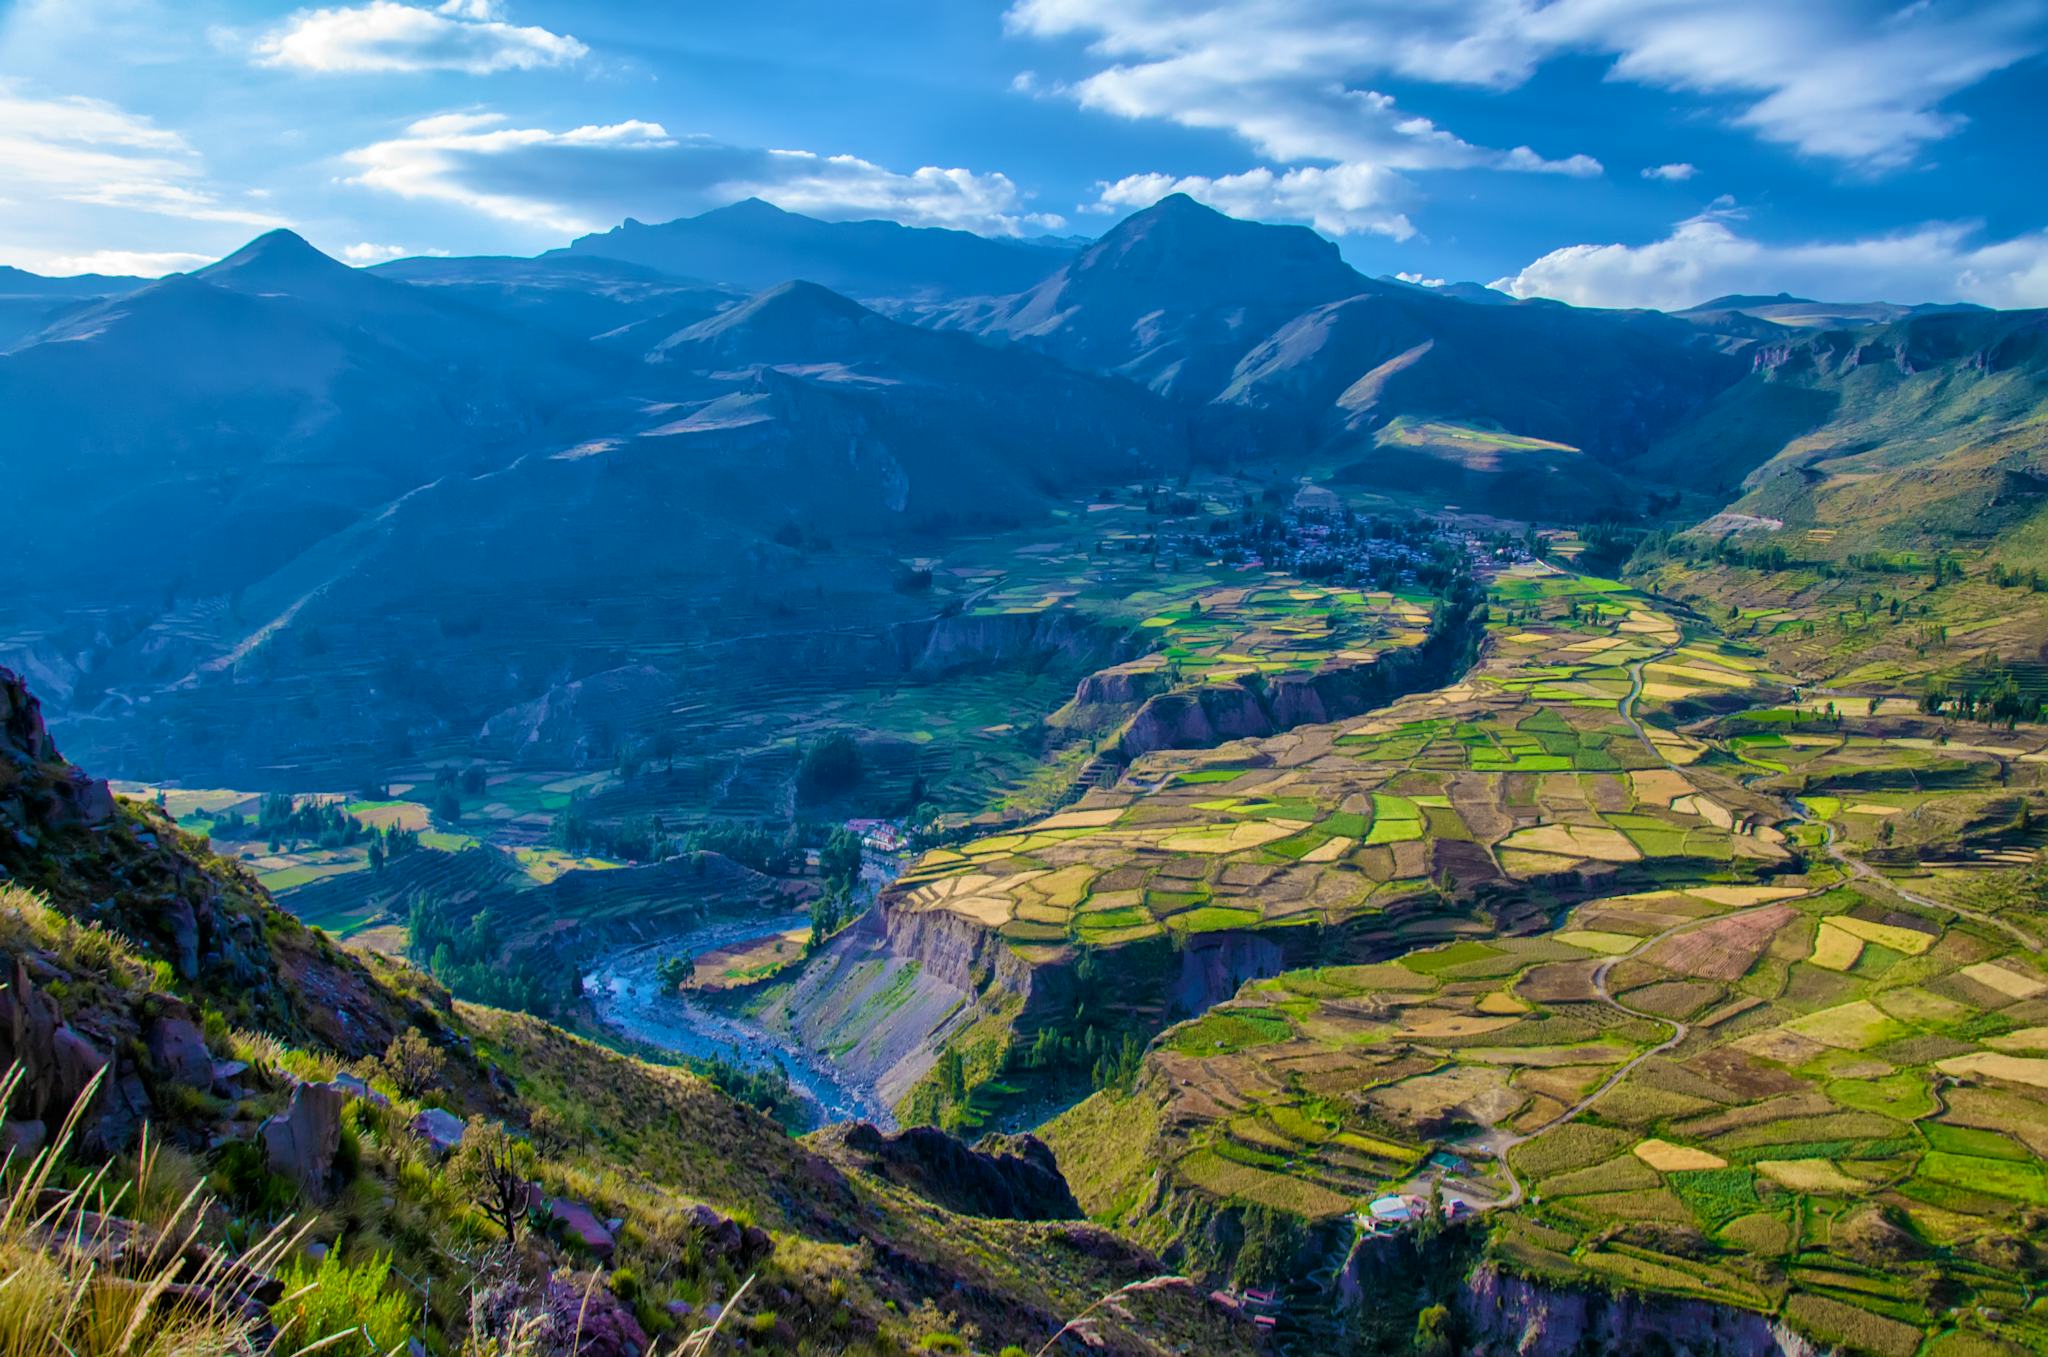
(184, 926)
(439, 1128)
(22, 1138)
(300, 1142)
(581, 1224)
(178, 1050)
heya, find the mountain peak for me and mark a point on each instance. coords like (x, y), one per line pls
(275, 257)
(784, 314)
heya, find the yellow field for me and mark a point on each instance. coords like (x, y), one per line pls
(1810, 1175)
(2013, 984)
(1835, 948)
(1665, 1157)
(2013, 1068)
(1908, 940)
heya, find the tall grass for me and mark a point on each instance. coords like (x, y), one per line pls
(76, 1280)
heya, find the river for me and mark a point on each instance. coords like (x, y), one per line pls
(631, 999)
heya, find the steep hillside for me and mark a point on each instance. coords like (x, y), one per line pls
(268, 1067)
(752, 245)
(1169, 298)
(1280, 350)
(1923, 432)
(266, 401)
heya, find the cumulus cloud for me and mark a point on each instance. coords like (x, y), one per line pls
(88, 151)
(1417, 280)
(470, 36)
(1677, 172)
(365, 252)
(1340, 200)
(587, 178)
(1709, 256)
(125, 263)
(1294, 77)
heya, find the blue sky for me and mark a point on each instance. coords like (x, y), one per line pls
(1612, 152)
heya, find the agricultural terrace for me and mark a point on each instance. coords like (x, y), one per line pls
(1823, 1095)
(1526, 780)
(328, 842)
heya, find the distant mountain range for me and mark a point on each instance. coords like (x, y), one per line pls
(753, 245)
(320, 445)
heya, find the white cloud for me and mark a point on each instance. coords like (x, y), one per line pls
(1708, 256)
(1293, 77)
(1677, 172)
(364, 252)
(92, 152)
(587, 178)
(462, 35)
(128, 263)
(1339, 200)
(1417, 280)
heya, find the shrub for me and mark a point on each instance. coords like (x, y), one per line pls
(336, 1297)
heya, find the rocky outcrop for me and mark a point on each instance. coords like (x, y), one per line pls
(1513, 1315)
(39, 792)
(965, 640)
(565, 1316)
(1007, 1177)
(300, 1142)
(59, 1064)
(127, 867)
(722, 1236)
(177, 1048)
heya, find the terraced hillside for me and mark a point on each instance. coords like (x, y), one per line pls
(1779, 1052)
(1477, 808)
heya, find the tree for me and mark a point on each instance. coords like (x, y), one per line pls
(677, 971)
(1433, 1332)
(952, 1076)
(839, 861)
(473, 779)
(830, 767)
(663, 746)
(492, 1170)
(413, 1064)
(448, 805)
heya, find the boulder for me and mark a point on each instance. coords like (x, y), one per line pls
(300, 1142)
(727, 1238)
(441, 1129)
(177, 1048)
(592, 1322)
(580, 1224)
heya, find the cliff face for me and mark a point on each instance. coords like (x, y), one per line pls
(967, 641)
(1512, 1315)
(1197, 718)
